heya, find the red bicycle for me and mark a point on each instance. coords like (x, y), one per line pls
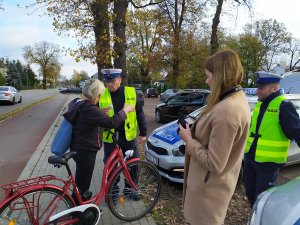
(131, 188)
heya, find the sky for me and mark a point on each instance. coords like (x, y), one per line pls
(17, 29)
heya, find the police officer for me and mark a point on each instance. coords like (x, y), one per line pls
(112, 100)
(274, 123)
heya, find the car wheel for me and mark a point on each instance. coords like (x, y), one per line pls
(158, 118)
(13, 101)
(20, 99)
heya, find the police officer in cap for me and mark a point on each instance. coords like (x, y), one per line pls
(113, 99)
(274, 123)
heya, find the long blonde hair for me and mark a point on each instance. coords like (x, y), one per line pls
(227, 71)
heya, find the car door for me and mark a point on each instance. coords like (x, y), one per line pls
(197, 100)
(16, 94)
(294, 150)
(174, 106)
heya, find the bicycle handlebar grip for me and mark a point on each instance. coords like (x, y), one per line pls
(129, 153)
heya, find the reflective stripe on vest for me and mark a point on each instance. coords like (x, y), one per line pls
(273, 145)
(130, 122)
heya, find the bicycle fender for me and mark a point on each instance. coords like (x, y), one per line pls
(115, 173)
(26, 189)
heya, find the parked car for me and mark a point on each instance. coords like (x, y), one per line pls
(167, 93)
(278, 205)
(140, 92)
(10, 94)
(71, 90)
(151, 92)
(180, 104)
(166, 150)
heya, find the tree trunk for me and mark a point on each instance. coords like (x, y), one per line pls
(119, 26)
(214, 43)
(175, 60)
(102, 34)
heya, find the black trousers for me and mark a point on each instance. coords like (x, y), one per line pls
(258, 177)
(85, 163)
(124, 145)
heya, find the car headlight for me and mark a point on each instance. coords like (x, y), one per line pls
(178, 152)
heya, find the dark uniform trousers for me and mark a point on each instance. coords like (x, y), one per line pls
(258, 178)
(124, 145)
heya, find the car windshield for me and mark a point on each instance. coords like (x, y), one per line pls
(3, 88)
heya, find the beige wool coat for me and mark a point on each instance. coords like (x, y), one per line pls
(213, 160)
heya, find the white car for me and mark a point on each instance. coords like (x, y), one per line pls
(10, 94)
(166, 150)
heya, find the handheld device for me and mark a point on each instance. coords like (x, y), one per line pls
(182, 122)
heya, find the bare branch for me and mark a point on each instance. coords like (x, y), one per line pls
(143, 6)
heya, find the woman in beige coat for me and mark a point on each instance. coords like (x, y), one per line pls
(215, 144)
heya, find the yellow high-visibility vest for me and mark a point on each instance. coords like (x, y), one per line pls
(273, 145)
(130, 122)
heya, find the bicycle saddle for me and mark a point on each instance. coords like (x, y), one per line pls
(61, 159)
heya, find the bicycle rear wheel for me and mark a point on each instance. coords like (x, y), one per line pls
(129, 204)
(34, 206)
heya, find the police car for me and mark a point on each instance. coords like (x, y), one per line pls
(166, 150)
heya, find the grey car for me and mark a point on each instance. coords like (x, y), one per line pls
(166, 150)
(10, 94)
(279, 205)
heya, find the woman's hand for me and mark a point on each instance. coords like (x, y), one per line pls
(185, 134)
(128, 108)
(106, 110)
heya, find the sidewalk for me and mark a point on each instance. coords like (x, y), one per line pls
(38, 166)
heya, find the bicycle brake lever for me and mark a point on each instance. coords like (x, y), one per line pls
(128, 154)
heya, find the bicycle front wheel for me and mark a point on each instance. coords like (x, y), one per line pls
(129, 204)
(33, 207)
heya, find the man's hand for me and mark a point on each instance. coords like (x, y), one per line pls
(141, 139)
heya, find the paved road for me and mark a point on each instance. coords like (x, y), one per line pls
(21, 134)
(29, 96)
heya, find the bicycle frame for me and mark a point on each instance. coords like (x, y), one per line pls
(111, 168)
(109, 172)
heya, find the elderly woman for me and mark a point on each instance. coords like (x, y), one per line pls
(215, 144)
(87, 120)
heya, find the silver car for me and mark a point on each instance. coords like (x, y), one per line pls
(10, 94)
(166, 150)
(279, 205)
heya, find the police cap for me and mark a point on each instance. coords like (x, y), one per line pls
(110, 74)
(264, 78)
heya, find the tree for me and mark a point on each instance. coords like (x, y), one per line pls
(88, 22)
(45, 55)
(2, 71)
(274, 37)
(13, 72)
(1, 5)
(250, 50)
(181, 15)
(294, 49)
(145, 29)
(214, 42)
